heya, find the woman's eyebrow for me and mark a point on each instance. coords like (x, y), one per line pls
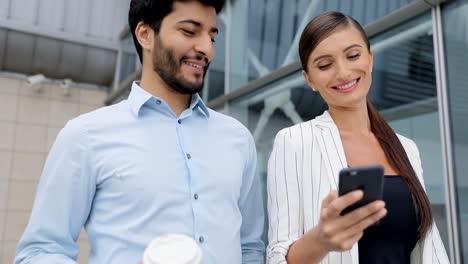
(346, 49)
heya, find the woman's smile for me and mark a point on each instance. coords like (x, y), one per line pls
(346, 87)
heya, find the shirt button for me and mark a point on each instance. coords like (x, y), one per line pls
(158, 102)
(179, 121)
(201, 239)
(188, 156)
(195, 196)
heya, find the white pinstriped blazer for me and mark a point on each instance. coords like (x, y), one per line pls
(302, 169)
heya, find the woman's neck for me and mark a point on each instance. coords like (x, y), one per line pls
(354, 120)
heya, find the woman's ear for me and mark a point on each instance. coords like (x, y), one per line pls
(145, 35)
(308, 80)
(371, 58)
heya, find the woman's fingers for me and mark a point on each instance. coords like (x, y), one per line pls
(342, 232)
(361, 213)
(361, 225)
(331, 209)
(330, 197)
(335, 207)
(342, 239)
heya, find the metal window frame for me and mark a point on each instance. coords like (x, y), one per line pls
(445, 136)
(227, 62)
(58, 35)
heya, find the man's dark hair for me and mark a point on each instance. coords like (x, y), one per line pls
(152, 13)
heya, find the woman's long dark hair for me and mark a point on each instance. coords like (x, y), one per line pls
(317, 30)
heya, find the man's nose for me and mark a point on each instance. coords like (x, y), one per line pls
(205, 47)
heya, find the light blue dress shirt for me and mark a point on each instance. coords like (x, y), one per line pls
(133, 171)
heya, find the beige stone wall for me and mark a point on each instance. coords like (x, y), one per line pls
(29, 123)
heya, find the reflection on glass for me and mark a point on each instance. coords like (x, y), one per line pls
(404, 89)
(265, 33)
(455, 28)
(214, 79)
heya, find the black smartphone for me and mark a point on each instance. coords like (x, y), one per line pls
(369, 179)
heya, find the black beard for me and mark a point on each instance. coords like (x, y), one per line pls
(167, 67)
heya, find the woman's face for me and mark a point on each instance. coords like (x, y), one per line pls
(340, 67)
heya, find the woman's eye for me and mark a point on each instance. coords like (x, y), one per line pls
(355, 56)
(324, 67)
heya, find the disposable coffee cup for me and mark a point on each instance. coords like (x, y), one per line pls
(173, 249)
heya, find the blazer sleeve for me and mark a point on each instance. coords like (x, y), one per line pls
(283, 198)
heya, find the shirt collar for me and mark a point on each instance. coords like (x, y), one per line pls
(198, 102)
(139, 97)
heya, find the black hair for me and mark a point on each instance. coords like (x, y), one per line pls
(152, 13)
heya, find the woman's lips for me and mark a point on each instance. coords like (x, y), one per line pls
(347, 87)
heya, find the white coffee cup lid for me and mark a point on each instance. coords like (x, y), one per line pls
(173, 249)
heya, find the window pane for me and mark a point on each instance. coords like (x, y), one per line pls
(265, 33)
(455, 28)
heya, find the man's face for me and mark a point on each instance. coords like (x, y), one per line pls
(183, 48)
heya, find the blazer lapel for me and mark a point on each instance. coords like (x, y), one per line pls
(331, 147)
(329, 141)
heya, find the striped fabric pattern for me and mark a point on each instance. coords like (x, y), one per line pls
(302, 169)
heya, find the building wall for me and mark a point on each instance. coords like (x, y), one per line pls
(29, 123)
(62, 38)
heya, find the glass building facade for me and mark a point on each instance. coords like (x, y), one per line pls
(420, 84)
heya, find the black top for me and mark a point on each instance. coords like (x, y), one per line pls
(394, 237)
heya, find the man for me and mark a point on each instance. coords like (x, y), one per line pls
(160, 162)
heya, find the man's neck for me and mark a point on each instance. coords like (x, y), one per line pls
(153, 84)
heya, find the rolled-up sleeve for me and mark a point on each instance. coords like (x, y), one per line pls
(63, 201)
(252, 210)
(283, 199)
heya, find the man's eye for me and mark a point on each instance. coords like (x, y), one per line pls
(188, 32)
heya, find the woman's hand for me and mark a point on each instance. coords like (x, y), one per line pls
(340, 233)
(334, 231)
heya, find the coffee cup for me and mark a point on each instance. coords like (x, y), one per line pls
(173, 249)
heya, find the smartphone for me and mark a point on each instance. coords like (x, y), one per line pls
(369, 179)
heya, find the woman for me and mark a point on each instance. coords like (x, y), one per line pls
(305, 225)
